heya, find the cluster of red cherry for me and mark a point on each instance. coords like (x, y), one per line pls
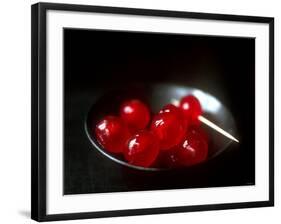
(171, 138)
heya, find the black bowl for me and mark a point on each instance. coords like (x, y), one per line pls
(156, 97)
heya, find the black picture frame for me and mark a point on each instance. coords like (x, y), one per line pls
(39, 122)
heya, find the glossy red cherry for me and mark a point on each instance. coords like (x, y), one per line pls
(170, 108)
(191, 108)
(135, 113)
(192, 150)
(168, 159)
(112, 133)
(197, 129)
(142, 149)
(169, 129)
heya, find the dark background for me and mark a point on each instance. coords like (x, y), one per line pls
(96, 61)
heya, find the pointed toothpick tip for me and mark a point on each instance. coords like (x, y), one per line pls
(217, 128)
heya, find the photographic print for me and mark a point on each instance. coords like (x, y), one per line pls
(131, 107)
(134, 106)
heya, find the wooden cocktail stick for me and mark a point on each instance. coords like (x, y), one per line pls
(211, 124)
(217, 128)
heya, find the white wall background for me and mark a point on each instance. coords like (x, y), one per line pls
(15, 110)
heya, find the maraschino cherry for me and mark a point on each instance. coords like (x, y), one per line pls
(112, 133)
(191, 108)
(142, 149)
(171, 108)
(174, 139)
(169, 128)
(135, 113)
(197, 129)
(192, 150)
(168, 159)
